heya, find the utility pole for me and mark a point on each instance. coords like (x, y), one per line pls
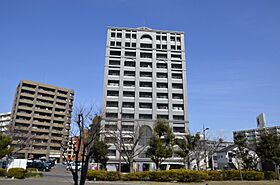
(204, 139)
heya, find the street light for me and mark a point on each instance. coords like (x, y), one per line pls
(204, 139)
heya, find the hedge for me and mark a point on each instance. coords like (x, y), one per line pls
(179, 175)
(33, 172)
(18, 173)
(3, 172)
(235, 175)
(270, 175)
(103, 175)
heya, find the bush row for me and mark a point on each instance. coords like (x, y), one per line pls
(180, 175)
(20, 173)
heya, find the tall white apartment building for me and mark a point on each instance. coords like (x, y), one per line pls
(5, 119)
(144, 80)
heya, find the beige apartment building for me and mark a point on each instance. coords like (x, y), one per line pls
(40, 120)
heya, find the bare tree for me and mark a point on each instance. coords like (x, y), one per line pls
(204, 149)
(127, 143)
(87, 127)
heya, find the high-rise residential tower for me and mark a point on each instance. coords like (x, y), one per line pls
(5, 119)
(40, 120)
(144, 80)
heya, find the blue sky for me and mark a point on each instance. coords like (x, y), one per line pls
(233, 52)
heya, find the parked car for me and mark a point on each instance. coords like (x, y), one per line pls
(41, 166)
(72, 165)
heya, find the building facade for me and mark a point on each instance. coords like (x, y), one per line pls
(40, 119)
(252, 135)
(144, 80)
(5, 119)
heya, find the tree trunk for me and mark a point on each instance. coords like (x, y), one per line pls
(197, 165)
(131, 169)
(84, 171)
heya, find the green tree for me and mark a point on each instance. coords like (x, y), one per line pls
(248, 158)
(5, 142)
(185, 148)
(161, 143)
(99, 153)
(268, 149)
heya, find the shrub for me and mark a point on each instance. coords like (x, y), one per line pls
(181, 175)
(3, 172)
(34, 170)
(18, 173)
(269, 175)
(101, 175)
(34, 174)
(234, 175)
(135, 176)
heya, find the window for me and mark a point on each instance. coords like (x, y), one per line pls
(161, 75)
(111, 115)
(118, 43)
(162, 106)
(128, 128)
(133, 45)
(177, 75)
(145, 94)
(129, 63)
(127, 35)
(146, 45)
(176, 66)
(128, 116)
(178, 39)
(111, 127)
(112, 43)
(158, 37)
(145, 105)
(178, 47)
(177, 86)
(161, 55)
(146, 74)
(130, 54)
(111, 104)
(178, 107)
(146, 64)
(145, 116)
(111, 153)
(147, 37)
(164, 38)
(129, 73)
(127, 44)
(113, 83)
(164, 46)
(176, 56)
(145, 84)
(145, 55)
(114, 62)
(162, 85)
(117, 53)
(162, 95)
(177, 96)
(119, 35)
(129, 83)
(110, 139)
(128, 105)
(113, 34)
(112, 93)
(178, 117)
(114, 72)
(134, 36)
(179, 129)
(172, 38)
(129, 94)
(162, 65)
